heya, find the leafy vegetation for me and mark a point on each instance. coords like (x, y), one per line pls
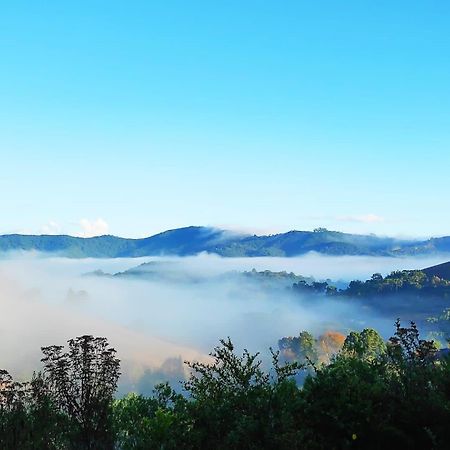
(65, 406)
(366, 393)
(267, 278)
(408, 282)
(308, 351)
(416, 283)
(421, 294)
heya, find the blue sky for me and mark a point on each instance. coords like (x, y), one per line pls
(135, 117)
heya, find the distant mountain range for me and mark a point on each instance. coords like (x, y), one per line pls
(194, 240)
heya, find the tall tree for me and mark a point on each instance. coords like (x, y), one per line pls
(82, 382)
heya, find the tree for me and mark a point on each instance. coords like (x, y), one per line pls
(236, 404)
(301, 349)
(329, 343)
(414, 386)
(407, 347)
(372, 395)
(152, 423)
(367, 344)
(14, 425)
(82, 382)
(28, 417)
(344, 406)
(377, 277)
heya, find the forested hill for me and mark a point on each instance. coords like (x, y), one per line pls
(441, 271)
(194, 240)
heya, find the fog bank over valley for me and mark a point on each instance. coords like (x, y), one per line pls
(178, 313)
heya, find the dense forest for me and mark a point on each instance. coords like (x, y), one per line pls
(422, 294)
(329, 392)
(416, 283)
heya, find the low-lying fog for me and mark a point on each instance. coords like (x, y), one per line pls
(154, 324)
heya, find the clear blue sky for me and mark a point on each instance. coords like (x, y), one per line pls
(262, 116)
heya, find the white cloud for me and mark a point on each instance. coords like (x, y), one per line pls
(366, 218)
(92, 228)
(51, 228)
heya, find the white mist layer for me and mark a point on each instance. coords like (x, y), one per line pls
(46, 301)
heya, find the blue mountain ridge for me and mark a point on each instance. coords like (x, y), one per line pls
(196, 239)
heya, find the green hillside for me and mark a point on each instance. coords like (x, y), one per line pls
(194, 240)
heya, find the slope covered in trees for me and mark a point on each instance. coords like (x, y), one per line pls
(371, 394)
(424, 283)
(418, 294)
(194, 240)
(405, 282)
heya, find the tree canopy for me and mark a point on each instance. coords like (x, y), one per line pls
(367, 393)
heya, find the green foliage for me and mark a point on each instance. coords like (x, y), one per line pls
(67, 405)
(316, 287)
(441, 325)
(367, 345)
(235, 403)
(302, 349)
(29, 419)
(82, 382)
(143, 423)
(406, 282)
(267, 278)
(393, 398)
(343, 405)
(309, 351)
(372, 394)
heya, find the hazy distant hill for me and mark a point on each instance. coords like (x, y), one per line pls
(174, 271)
(433, 245)
(183, 241)
(193, 240)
